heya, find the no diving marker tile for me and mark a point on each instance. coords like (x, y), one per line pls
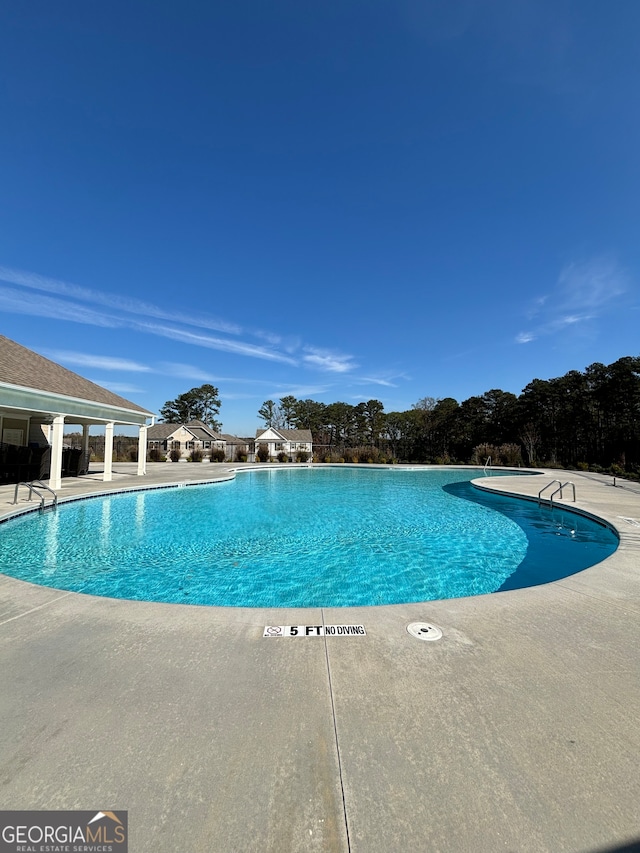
(424, 631)
(314, 631)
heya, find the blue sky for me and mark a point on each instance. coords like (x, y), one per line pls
(343, 200)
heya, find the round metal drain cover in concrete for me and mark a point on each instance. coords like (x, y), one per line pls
(424, 631)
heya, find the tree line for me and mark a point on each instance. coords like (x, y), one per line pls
(585, 420)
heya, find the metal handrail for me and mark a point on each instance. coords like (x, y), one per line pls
(40, 495)
(15, 493)
(560, 488)
(487, 464)
(42, 485)
(32, 489)
(545, 489)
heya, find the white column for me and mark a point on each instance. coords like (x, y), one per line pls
(85, 442)
(142, 450)
(108, 452)
(57, 437)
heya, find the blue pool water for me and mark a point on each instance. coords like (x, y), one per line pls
(303, 538)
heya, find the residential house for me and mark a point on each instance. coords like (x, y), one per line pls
(234, 444)
(185, 438)
(289, 441)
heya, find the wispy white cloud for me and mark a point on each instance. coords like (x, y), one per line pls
(14, 302)
(222, 344)
(276, 393)
(100, 361)
(387, 380)
(593, 284)
(583, 293)
(59, 300)
(54, 308)
(323, 359)
(298, 391)
(270, 337)
(289, 343)
(536, 306)
(113, 301)
(371, 381)
(186, 371)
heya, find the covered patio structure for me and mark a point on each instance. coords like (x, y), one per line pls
(38, 397)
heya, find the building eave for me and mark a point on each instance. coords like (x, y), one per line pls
(22, 398)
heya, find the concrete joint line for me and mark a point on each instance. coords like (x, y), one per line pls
(33, 609)
(335, 732)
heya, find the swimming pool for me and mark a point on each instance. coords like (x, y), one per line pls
(316, 537)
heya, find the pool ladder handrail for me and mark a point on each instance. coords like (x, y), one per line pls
(561, 486)
(544, 489)
(32, 488)
(487, 464)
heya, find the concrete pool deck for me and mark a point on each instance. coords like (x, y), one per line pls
(518, 731)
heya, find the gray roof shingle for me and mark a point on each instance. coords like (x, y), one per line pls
(205, 434)
(158, 432)
(199, 430)
(289, 434)
(25, 368)
(233, 439)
